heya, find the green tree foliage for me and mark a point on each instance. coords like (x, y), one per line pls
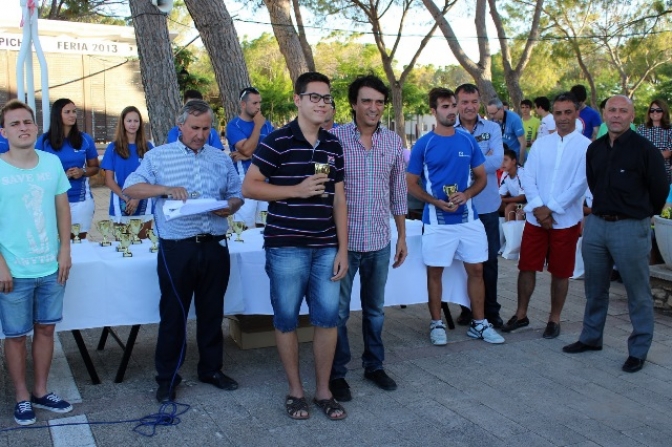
(85, 11)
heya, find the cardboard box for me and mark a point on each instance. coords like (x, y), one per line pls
(257, 331)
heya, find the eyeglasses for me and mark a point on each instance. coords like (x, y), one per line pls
(246, 91)
(315, 97)
(655, 110)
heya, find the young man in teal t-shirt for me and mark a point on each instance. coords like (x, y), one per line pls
(34, 265)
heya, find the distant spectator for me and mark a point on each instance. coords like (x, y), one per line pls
(511, 188)
(590, 118)
(513, 133)
(658, 131)
(530, 123)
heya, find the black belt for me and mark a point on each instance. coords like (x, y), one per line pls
(612, 217)
(199, 238)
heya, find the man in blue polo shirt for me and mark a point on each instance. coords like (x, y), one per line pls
(513, 132)
(306, 236)
(244, 133)
(447, 158)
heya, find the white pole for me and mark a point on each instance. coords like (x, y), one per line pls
(25, 79)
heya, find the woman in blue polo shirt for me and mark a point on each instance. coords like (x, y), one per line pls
(79, 158)
(122, 157)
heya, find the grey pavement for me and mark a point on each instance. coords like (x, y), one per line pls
(468, 393)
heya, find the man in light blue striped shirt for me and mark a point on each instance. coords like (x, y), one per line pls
(191, 261)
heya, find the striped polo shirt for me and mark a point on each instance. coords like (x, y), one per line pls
(286, 158)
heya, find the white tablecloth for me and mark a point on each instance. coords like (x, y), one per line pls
(105, 289)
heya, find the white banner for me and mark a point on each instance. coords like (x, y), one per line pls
(71, 45)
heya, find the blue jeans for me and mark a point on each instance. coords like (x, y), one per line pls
(295, 272)
(491, 223)
(628, 244)
(33, 300)
(373, 268)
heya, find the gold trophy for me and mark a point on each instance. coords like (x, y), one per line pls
(119, 229)
(238, 228)
(264, 216)
(152, 236)
(75, 232)
(135, 225)
(229, 228)
(124, 243)
(322, 168)
(448, 190)
(104, 228)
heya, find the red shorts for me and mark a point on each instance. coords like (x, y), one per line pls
(555, 247)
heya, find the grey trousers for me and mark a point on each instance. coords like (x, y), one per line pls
(628, 244)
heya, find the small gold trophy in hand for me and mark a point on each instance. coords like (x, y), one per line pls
(238, 228)
(264, 216)
(322, 168)
(124, 243)
(135, 225)
(76, 228)
(449, 190)
(152, 236)
(104, 228)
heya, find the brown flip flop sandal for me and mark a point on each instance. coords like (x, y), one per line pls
(295, 405)
(330, 407)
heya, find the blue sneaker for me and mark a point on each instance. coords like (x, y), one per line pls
(51, 402)
(24, 414)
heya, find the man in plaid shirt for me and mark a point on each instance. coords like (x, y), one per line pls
(375, 189)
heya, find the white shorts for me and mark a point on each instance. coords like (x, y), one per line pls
(443, 243)
(250, 212)
(82, 213)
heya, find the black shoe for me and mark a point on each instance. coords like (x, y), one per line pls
(633, 364)
(514, 323)
(380, 378)
(578, 347)
(465, 317)
(552, 330)
(495, 320)
(221, 381)
(164, 393)
(340, 390)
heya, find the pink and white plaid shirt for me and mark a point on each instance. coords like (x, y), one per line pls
(375, 186)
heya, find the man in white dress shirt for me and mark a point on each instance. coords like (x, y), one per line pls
(554, 183)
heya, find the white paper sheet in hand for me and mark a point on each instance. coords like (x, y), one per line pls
(173, 209)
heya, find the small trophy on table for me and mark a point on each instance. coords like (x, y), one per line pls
(124, 243)
(104, 227)
(152, 236)
(322, 168)
(449, 190)
(120, 229)
(75, 229)
(135, 225)
(238, 228)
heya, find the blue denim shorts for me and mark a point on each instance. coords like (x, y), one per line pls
(33, 300)
(295, 272)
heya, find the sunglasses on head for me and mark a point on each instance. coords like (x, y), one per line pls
(246, 91)
(652, 110)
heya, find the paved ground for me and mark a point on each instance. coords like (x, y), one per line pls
(524, 392)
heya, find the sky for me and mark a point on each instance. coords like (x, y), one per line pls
(436, 52)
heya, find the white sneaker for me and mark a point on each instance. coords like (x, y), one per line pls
(485, 332)
(437, 334)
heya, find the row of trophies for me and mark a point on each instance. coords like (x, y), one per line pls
(129, 234)
(126, 234)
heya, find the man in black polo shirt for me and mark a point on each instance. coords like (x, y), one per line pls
(306, 236)
(626, 175)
